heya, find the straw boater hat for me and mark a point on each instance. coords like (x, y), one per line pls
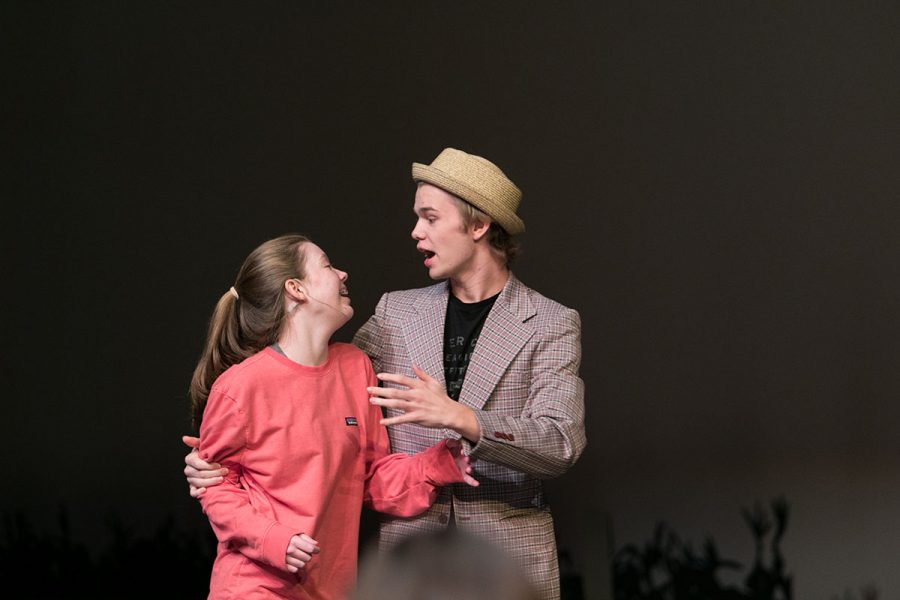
(477, 181)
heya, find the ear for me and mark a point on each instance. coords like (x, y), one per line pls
(479, 230)
(294, 290)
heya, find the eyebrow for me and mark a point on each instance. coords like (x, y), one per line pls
(425, 209)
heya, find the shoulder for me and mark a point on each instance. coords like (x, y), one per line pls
(417, 294)
(351, 365)
(348, 354)
(243, 375)
(547, 306)
(345, 352)
(400, 301)
(548, 314)
(541, 304)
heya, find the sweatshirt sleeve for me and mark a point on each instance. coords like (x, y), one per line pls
(223, 439)
(398, 484)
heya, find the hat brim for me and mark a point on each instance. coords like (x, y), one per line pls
(507, 219)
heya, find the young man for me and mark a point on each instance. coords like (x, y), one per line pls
(479, 357)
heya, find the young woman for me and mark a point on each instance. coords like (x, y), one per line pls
(288, 415)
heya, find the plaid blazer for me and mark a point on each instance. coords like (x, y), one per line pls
(522, 383)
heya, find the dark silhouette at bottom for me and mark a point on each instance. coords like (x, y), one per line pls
(169, 564)
(667, 568)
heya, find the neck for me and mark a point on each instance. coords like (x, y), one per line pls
(304, 342)
(481, 282)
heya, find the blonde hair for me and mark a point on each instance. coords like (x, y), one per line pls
(250, 318)
(500, 242)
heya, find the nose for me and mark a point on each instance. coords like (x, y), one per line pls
(416, 234)
(344, 276)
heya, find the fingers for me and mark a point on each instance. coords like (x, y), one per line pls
(398, 379)
(300, 551)
(201, 474)
(205, 474)
(305, 543)
(389, 393)
(299, 557)
(403, 405)
(197, 482)
(294, 565)
(398, 420)
(296, 560)
(211, 473)
(463, 461)
(465, 469)
(193, 460)
(198, 465)
(422, 374)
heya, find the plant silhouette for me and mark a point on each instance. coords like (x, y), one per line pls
(667, 568)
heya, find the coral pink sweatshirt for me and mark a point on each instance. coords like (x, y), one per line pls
(305, 450)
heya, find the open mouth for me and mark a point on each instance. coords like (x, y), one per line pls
(428, 255)
(345, 292)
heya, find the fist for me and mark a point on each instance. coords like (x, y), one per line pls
(300, 551)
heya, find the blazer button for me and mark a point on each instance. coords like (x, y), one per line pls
(444, 519)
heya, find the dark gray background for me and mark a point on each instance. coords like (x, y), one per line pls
(713, 185)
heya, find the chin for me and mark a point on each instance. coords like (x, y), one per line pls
(436, 274)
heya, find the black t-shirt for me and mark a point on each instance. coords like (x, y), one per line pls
(461, 330)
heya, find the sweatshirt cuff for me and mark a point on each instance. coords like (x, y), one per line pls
(438, 465)
(275, 543)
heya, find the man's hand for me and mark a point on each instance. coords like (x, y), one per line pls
(424, 402)
(200, 474)
(462, 462)
(299, 552)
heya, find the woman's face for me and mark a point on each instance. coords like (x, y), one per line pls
(325, 286)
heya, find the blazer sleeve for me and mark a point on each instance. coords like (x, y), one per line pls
(223, 439)
(370, 337)
(548, 437)
(399, 484)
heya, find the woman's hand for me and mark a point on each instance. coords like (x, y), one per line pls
(300, 551)
(462, 462)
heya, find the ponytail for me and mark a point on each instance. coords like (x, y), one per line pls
(223, 348)
(249, 316)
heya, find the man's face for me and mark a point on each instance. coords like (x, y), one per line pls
(449, 248)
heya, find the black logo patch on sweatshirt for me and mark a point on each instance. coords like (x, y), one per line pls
(350, 421)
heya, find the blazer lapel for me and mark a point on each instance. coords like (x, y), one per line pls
(502, 337)
(424, 333)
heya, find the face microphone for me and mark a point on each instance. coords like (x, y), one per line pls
(311, 297)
